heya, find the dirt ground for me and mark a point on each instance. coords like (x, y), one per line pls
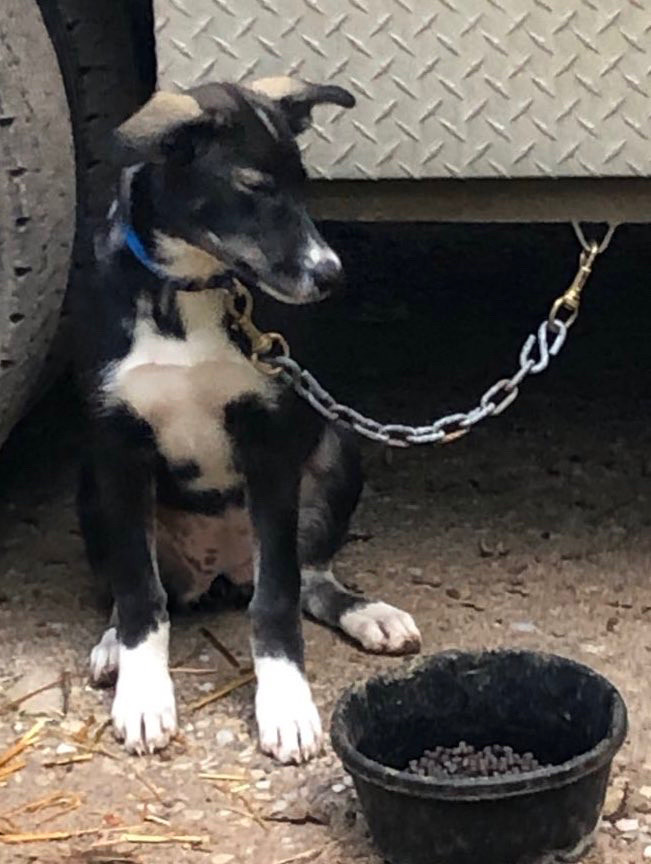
(534, 531)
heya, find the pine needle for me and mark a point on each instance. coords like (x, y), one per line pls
(23, 743)
(240, 681)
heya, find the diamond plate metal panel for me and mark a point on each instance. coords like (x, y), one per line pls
(445, 88)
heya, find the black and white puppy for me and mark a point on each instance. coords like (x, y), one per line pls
(201, 466)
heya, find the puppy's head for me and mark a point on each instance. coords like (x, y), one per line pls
(224, 179)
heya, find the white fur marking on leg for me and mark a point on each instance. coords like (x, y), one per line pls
(382, 628)
(144, 711)
(105, 658)
(288, 722)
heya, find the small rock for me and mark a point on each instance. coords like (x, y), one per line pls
(65, 749)
(415, 571)
(278, 806)
(263, 784)
(71, 725)
(647, 852)
(338, 787)
(222, 858)
(430, 581)
(348, 781)
(246, 755)
(258, 774)
(523, 626)
(454, 593)
(224, 737)
(486, 550)
(591, 648)
(646, 791)
(639, 803)
(612, 623)
(206, 687)
(193, 815)
(626, 825)
(614, 798)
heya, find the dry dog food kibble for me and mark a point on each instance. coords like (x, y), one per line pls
(496, 760)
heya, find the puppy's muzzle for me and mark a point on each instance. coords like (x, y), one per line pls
(328, 277)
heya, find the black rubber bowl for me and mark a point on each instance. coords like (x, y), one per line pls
(561, 711)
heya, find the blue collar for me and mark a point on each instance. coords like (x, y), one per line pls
(138, 250)
(121, 207)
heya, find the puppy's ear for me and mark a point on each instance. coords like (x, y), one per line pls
(297, 99)
(142, 138)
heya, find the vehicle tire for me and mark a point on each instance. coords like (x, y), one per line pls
(106, 69)
(106, 54)
(37, 202)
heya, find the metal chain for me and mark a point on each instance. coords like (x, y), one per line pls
(535, 355)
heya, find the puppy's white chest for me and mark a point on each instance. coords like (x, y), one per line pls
(180, 387)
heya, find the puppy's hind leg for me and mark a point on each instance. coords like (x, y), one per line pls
(105, 656)
(330, 489)
(377, 626)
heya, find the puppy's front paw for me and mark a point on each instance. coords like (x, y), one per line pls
(288, 721)
(105, 659)
(382, 629)
(144, 710)
(144, 713)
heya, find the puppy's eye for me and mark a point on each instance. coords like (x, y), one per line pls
(251, 180)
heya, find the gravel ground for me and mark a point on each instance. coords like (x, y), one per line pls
(534, 531)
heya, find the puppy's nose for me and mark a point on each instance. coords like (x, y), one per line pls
(328, 275)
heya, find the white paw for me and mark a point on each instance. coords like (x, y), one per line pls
(288, 722)
(105, 658)
(381, 628)
(144, 710)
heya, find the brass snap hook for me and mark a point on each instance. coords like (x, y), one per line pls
(571, 299)
(268, 343)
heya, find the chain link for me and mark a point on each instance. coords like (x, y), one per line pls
(534, 358)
